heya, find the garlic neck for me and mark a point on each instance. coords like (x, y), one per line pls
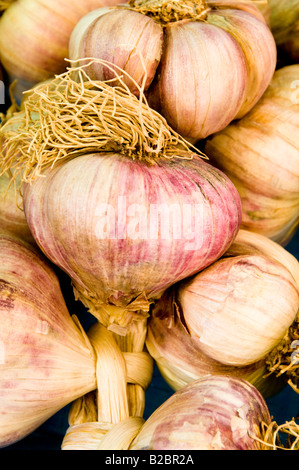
(110, 417)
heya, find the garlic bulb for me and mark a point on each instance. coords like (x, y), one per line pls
(4, 4)
(185, 55)
(127, 261)
(260, 155)
(34, 37)
(46, 361)
(212, 413)
(227, 318)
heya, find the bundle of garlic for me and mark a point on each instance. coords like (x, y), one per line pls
(34, 36)
(115, 198)
(238, 317)
(12, 217)
(215, 413)
(187, 54)
(260, 155)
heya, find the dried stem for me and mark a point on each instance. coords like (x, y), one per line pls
(60, 119)
(284, 359)
(272, 434)
(166, 11)
(64, 118)
(111, 417)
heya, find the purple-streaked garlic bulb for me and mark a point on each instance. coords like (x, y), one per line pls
(124, 231)
(212, 413)
(186, 55)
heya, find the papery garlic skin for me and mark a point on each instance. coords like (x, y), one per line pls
(127, 256)
(214, 413)
(45, 360)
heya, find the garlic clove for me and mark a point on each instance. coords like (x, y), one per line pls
(206, 51)
(135, 49)
(258, 46)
